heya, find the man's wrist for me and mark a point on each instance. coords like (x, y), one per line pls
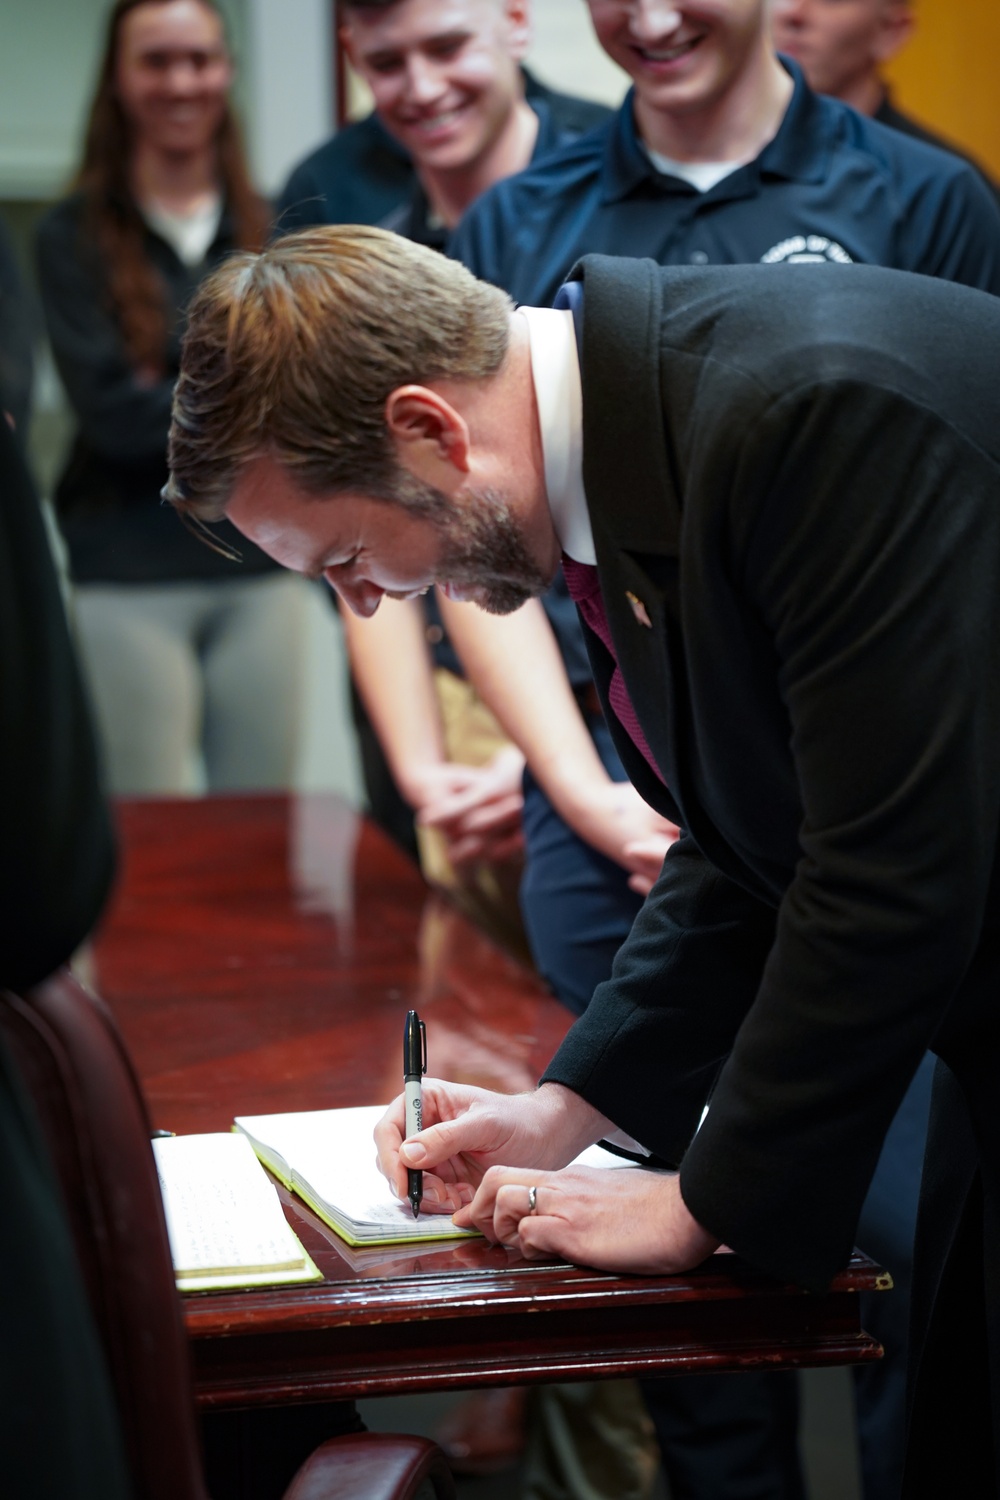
(420, 783)
(572, 1123)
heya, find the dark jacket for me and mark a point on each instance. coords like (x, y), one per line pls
(797, 472)
(888, 114)
(56, 855)
(108, 498)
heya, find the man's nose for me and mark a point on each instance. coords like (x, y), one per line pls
(654, 20)
(787, 12)
(182, 77)
(361, 597)
(424, 81)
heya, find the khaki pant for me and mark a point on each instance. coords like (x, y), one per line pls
(196, 683)
(589, 1442)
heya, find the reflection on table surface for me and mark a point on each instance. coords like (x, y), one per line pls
(262, 952)
(260, 956)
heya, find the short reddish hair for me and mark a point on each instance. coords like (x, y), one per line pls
(295, 351)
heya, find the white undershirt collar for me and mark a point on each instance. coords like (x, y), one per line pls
(555, 371)
(702, 175)
(191, 235)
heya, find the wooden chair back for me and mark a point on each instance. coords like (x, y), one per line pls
(93, 1116)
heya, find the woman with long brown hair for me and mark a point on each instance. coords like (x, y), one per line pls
(190, 654)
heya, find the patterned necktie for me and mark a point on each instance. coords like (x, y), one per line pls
(584, 587)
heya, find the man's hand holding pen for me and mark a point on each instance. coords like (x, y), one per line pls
(493, 1161)
(467, 1130)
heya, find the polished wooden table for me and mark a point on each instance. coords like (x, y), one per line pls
(260, 955)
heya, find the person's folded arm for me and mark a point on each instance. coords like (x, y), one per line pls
(123, 412)
(477, 808)
(391, 667)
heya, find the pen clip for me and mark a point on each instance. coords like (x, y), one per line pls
(423, 1048)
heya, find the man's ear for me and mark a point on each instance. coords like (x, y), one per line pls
(431, 437)
(897, 27)
(518, 28)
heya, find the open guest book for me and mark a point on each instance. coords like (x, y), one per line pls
(224, 1218)
(327, 1157)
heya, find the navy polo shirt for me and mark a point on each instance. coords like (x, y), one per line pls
(412, 219)
(832, 186)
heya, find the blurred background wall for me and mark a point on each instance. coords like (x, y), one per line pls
(949, 75)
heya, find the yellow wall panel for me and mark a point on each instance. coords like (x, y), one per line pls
(949, 74)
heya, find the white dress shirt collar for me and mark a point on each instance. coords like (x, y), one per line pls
(555, 370)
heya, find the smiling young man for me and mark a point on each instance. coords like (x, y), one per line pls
(455, 110)
(446, 82)
(794, 620)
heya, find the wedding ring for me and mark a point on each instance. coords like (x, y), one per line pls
(532, 1199)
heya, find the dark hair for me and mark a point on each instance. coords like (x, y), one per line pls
(113, 220)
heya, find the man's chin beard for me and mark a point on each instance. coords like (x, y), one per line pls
(503, 598)
(490, 557)
(485, 556)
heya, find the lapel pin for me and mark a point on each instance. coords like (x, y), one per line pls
(639, 609)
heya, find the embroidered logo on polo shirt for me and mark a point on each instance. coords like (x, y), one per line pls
(805, 248)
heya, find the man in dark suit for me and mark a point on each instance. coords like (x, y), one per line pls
(779, 495)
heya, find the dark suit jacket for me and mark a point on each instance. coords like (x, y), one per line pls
(797, 472)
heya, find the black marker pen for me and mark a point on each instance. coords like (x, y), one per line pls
(414, 1067)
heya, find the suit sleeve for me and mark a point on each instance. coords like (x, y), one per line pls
(648, 1048)
(56, 854)
(864, 537)
(870, 559)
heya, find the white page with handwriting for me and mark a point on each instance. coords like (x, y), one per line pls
(221, 1209)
